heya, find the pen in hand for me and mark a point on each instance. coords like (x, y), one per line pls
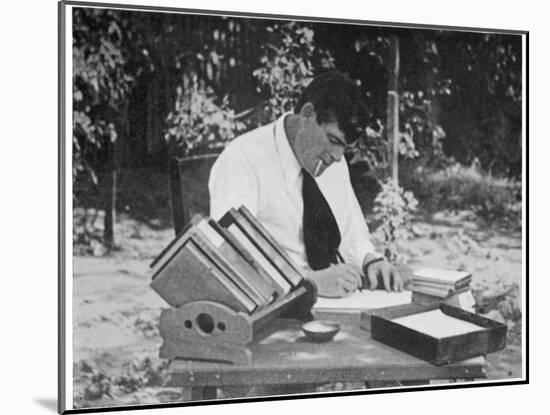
(340, 259)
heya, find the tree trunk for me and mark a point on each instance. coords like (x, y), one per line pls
(109, 189)
(393, 108)
(109, 202)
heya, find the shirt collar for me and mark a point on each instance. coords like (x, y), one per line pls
(291, 166)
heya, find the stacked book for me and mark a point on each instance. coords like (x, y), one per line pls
(440, 283)
(234, 262)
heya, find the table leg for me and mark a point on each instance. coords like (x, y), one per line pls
(435, 382)
(373, 384)
(414, 382)
(205, 392)
(199, 393)
(285, 389)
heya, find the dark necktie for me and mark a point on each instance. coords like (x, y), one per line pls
(321, 234)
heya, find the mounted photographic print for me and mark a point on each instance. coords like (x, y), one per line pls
(257, 206)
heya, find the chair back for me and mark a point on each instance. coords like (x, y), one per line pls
(189, 188)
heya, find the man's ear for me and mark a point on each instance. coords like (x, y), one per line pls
(307, 112)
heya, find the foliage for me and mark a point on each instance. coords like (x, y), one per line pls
(100, 83)
(393, 208)
(104, 68)
(484, 116)
(87, 232)
(459, 92)
(88, 138)
(288, 62)
(423, 85)
(460, 95)
(100, 87)
(372, 148)
(198, 124)
(138, 374)
(420, 85)
(458, 187)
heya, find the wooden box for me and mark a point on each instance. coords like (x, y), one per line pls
(481, 336)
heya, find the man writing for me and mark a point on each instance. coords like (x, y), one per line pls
(292, 176)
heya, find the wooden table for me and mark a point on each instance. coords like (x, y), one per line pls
(287, 357)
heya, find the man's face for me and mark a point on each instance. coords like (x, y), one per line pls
(318, 146)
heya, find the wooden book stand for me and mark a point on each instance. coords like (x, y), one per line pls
(210, 331)
(207, 329)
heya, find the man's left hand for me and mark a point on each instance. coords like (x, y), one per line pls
(385, 272)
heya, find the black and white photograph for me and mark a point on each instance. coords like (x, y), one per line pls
(268, 207)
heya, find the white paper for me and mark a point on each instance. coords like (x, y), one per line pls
(365, 299)
(437, 324)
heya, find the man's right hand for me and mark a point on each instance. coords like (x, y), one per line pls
(336, 281)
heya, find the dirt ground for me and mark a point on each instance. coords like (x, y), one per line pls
(115, 312)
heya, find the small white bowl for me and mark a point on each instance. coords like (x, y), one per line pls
(320, 330)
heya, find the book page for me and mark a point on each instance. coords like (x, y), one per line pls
(437, 324)
(365, 299)
(436, 292)
(259, 257)
(441, 275)
(215, 238)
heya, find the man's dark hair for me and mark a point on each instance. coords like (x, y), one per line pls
(336, 97)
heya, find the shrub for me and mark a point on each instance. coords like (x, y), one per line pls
(458, 187)
(393, 208)
(198, 124)
(288, 62)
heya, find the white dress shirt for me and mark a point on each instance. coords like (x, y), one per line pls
(259, 170)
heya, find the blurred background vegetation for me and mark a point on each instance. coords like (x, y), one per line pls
(149, 86)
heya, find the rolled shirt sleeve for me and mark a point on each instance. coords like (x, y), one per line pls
(356, 243)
